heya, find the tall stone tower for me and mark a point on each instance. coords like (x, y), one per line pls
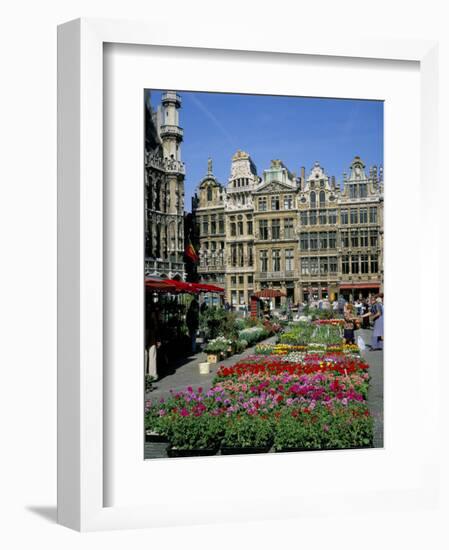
(164, 189)
(170, 131)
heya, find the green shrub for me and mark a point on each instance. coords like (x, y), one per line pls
(193, 432)
(243, 430)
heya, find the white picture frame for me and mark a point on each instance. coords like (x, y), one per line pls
(81, 449)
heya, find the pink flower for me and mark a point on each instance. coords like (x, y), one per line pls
(184, 412)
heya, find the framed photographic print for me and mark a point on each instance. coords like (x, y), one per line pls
(230, 233)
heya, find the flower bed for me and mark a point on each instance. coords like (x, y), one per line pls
(292, 396)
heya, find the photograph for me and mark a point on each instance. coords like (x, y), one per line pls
(263, 273)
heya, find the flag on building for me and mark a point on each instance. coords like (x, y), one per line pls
(191, 253)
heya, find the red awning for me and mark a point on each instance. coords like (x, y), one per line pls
(269, 293)
(161, 285)
(181, 286)
(348, 286)
(202, 287)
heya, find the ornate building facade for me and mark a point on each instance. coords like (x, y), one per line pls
(305, 236)
(164, 188)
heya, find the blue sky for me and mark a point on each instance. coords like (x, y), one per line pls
(297, 130)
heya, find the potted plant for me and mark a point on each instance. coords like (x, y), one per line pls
(193, 435)
(247, 434)
(154, 426)
(215, 348)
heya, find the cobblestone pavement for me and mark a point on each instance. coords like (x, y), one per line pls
(186, 373)
(376, 388)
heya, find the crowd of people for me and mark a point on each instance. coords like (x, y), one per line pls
(364, 314)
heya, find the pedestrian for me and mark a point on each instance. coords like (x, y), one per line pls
(377, 340)
(349, 326)
(153, 342)
(192, 322)
(365, 313)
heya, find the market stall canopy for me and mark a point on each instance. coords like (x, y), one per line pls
(269, 293)
(208, 288)
(158, 284)
(172, 285)
(181, 286)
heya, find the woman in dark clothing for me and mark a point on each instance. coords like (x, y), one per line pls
(193, 322)
(365, 314)
(349, 326)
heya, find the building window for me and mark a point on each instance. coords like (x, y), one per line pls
(303, 218)
(323, 217)
(275, 203)
(209, 194)
(322, 198)
(354, 264)
(220, 224)
(249, 227)
(233, 297)
(233, 280)
(289, 260)
(288, 202)
(263, 230)
(363, 215)
(263, 255)
(373, 238)
(241, 297)
(240, 255)
(304, 266)
(345, 264)
(332, 239)
(262, 204)
(352, 191)
(364, 263)
(323, 266)
(313, 241)
(363, 190)
(304, 241)
(313, 266)
(250, 279)
(213, 226)
(354, 216)
(373, 214)
(240, 228)
(233, 230)
(345, 239)
(333, 264)
(233, 255)
(312, 217)
(374, 263)
(332, 216)
(288, 228)
(363, 237)
(344, 216)
(354, 238)
(240, 279)
(205, 227)
(276, 229)
(313, 199)
(276, 257)
(250, 256)
(323, 241)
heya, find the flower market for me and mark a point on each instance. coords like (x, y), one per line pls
(253, 384)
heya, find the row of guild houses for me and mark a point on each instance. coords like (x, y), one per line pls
(306, 236)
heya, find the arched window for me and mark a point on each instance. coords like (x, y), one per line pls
(209, 193)
(322, 198)
(313, 199)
